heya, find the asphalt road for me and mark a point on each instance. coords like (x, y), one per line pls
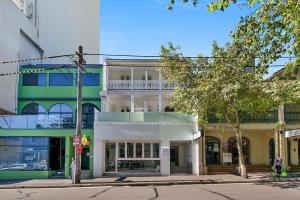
(272, 191)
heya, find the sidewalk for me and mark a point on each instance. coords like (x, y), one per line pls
(149, 180)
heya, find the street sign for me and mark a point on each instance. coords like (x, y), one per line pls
(84, 140)
(76, 140)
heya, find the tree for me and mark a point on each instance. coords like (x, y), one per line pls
(271, 30)
(226, 86)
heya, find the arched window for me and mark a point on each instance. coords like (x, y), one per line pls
(61, 116)
(212, 146)
(169, 109)
(232, 148)
(271, 151)
(88, 115)
(33, 109)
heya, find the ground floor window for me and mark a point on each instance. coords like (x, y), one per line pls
(132, 157)
(24, 153)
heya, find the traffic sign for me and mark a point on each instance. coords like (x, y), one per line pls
(79, 149)
(76, 139)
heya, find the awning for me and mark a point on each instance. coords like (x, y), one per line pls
(292, 133)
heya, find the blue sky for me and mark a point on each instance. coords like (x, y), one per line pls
(142, 26)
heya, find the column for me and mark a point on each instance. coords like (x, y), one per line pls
(276, 141)
(165, 158)
(68, 156)
(98, 164)
(132, 82)
(282, 139)
(159, 78)
(145, 106)
(132, 103)
(160, 102)
(195, 157)
(146, 79)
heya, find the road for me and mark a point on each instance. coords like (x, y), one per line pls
(265, 191)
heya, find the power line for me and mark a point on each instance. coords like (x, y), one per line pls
(34, 70)
(166, 66)
(158, 56)
(34, 59)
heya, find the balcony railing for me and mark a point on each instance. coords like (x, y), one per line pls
(290, 117)
(145, 117)
(269, 117)
(35, 122)
(140, 85)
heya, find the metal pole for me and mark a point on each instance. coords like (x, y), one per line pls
(77, 170)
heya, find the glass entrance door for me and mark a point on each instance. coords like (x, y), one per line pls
(212, 147)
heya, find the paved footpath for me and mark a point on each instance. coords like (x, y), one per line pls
(149, 180)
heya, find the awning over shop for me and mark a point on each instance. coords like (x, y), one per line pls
(292, 133)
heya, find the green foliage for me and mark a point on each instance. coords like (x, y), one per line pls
(225, 86)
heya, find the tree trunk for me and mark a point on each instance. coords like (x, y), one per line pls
(242, 166)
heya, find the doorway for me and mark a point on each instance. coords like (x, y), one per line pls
(57, 154)
(232, 148)
(180, 153)
(212, 147)
(271, 151)
(85, 158)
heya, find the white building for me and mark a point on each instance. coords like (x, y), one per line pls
(35, 28)
(137, 132)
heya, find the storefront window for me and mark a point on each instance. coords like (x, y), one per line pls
(147, 150)
(130, 149)
(132, 157)
(122, 150)
(155, 150)
(24, 153)
(110, 157)
(139, 150)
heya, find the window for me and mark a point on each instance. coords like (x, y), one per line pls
(125, 77)
(147, 150)
(61, 79)
(23, 153)
(88, 115)
(149, 78)
(139, 150)
(130, 148)
(155, 150)
(61, 116)
(34, 79)
(33, 109)
(91, 79)
(122, 150)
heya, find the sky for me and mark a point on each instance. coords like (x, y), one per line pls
(140, 27)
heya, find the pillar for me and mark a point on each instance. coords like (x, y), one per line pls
(195, 157)
(160, 102)
(132, 82)
(165, 158)
(68, 155)
(132, 103)
(146, 79)
(281, 137)
(98, 163)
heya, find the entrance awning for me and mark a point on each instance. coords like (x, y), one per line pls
(292, 133)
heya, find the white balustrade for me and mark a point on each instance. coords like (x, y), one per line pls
(140, 85)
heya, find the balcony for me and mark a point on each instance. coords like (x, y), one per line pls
(140, 85)
(292, 117)
(35, 122)
(152, 117)
(269, 117)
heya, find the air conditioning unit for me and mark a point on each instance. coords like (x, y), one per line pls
(28, 8)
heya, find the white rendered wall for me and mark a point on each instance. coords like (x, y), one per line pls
(165, 133)
(57, 27)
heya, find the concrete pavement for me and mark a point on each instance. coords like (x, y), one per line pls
(149, 180)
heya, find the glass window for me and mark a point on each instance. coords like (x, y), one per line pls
(155, 150)
(33, 109)
(61, 79)
(88, 115)
(130, 147)
(24, 153)
(138, 150)
(110, 157)
(91, 79)
(122, 150)
(147, 150)
(61, 116)
(34, 79)
(139, 166)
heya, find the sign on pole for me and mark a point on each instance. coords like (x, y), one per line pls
(76, 140)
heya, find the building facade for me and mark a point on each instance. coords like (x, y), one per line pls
(137, 132)
(37, 142)
(37, 28)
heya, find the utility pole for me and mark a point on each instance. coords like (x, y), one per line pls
(77, 171)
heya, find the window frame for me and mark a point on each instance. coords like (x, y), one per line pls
(62, 74)
(38, 74)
